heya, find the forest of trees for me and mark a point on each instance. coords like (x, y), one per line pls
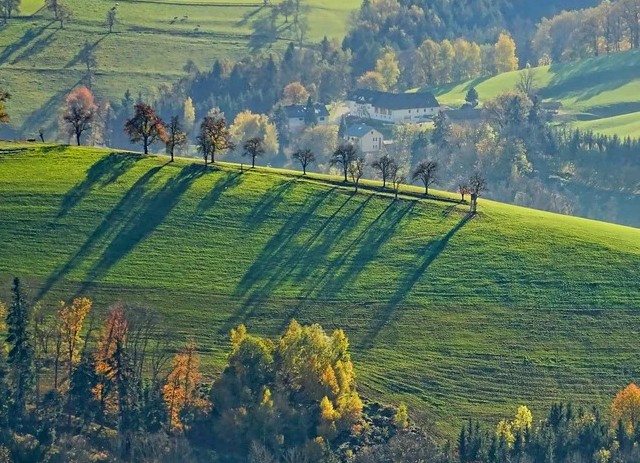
(81, 387)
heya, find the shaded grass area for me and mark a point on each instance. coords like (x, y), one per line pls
(606, 88)
(456, 315)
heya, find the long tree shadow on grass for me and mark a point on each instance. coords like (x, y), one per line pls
(249, 288)
(298, 262)
(125, 207)
(260, 212)
(151, 211)
(429, 254)
(102, 173)
(210, 199)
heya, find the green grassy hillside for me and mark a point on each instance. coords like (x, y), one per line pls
(39, 62)
(457, 316)
(601, 93)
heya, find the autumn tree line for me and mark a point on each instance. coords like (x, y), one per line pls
(79, 387)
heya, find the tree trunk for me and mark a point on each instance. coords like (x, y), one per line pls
(345, 175)
(253, 162)
(145, 144)
(426, 190)
(304, 169)
(78, 138)
(384, 181)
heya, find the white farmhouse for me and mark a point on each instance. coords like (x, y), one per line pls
(296, 112)
(365, 138)
(395, 108)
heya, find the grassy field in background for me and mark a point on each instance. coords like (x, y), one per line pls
(602, 94)
(154, 38)
(456, 316)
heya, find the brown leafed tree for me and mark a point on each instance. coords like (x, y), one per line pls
(214, 136)
(304, 157)
(385, 165)
(181, 388)
(176, 136)
(112, 339)
(477, 185)
(426, 172)
(356, 170)
(79, 111)
(253, 148)
(342, 157)
(145, 126)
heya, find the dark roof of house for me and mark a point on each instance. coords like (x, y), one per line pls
(394, 100)
(464, 114)
(299, 110)
(358, 130)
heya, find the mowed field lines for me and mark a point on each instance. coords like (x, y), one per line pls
(150, 44)
(454, 315)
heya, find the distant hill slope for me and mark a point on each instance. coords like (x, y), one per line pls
(151, 43)
(601, 93)
(457, 316)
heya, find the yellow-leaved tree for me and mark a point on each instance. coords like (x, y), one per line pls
(248, 125)
(70, 320)
(305, 378)
(505, 58)
(509, 431)
(625, 408)
(388, 67)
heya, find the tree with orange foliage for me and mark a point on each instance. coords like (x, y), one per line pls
(145, 126)
(626, 407)
(4, 97)
(181, 389)
(79, 110)
(295, 93)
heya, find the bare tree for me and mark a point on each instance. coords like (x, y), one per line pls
(253, 148)
(342, 157)
(356, 170)
(384, 165)
(112, 18)
(527, 83)
(477, 185)
(176, 137)
(398, 178)
(463, 189)
(304, 157)
(426, 172)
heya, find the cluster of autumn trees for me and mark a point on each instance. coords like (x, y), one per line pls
(610, 27)
(74, 390)
(434, 63)
(566, 434)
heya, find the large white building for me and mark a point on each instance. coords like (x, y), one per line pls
(395, 108)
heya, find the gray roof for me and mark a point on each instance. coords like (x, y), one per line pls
(358, 130)
(299, 110)
(394, 100)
